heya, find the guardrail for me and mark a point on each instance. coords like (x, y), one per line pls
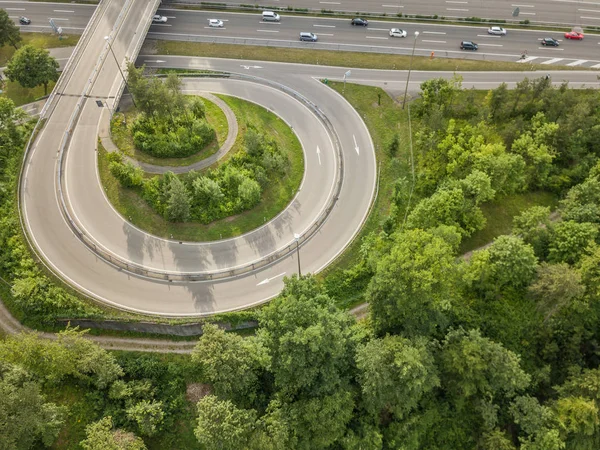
(138, 269)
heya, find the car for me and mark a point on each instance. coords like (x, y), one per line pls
(551, 42)
(311, 37)
(468, 45)
(574, 35)
(216, 23)
(497, 31)
(159, 19)
(24, 20)
(360, 22)
(397, 32)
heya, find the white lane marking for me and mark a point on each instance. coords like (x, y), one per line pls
(330, 3)
(324, 26)
(158, 61)
(433, 32)
(14, 9)
(595, 66)
(552, 61)
(269, 23)
(588, 17)
(266, 280)
(63, 11)
(435, 42)
(215, 28)
(269, 31)
(489, 35)
(325, 34)
(523, 6)
(578, 62)
(490, 45)
(160, 24)
(356, 145)
(375, 37)
(527, 14)
(378, 29)
(319, 154)
(54, 18)
(451, 1)
(528, 59)
(392, 6)
(551, 48)
(588, 10)
(456, 9)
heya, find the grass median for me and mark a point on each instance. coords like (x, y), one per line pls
(341, 58)
(274, 199)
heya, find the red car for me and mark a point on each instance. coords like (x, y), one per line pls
(574, 35)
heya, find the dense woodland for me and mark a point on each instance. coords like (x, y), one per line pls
(493, 350)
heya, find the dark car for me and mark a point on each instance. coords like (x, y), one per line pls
(24, 20)
(360, 22)
(550, 42)
(468, 45)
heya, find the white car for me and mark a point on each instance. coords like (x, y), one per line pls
(159, 19)
(497, 31)
(397, 32)
(215, 23)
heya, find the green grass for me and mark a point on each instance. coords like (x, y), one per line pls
(274, 199)
(339, 58)
(38, 40)
(124, 140)
(500, 213)
(22, 96)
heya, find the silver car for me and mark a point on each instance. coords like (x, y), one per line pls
(497, 31)
(397, 32)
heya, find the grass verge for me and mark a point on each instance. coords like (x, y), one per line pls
(38, 40)
(340, 58)
(274, 199)
(124, 140)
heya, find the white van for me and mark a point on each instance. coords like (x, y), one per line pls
(270, 16)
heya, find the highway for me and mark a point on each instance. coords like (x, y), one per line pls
(337, 34)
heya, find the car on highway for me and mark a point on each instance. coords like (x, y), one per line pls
(574, 35)
(24, 20)
(216, 23)
(360, 22)
(397, 32)
(497, 31)
(550, 42)
(468, 45)
(159, 19)
(311, 37)
(270, 16)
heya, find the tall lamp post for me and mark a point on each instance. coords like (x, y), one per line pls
(297, 239)
(409, 68)
(107, 39)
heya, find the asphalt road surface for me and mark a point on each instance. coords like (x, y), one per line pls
(336, 34)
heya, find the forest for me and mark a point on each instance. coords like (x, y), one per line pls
(494, 349)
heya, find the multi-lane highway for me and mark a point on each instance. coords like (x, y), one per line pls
(335, 34)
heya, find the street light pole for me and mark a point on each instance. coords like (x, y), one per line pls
(107, 39)
(409, 68)
(297, 239)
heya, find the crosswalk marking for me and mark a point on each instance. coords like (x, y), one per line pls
(528, 59)
(578, 62)
(552, 61)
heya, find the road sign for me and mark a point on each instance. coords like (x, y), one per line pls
(53, 25)
(516, 12)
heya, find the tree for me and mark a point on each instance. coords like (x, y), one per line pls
(412, 290)
(475, 367)
(569, 240)
(230, 363)
(537, 423)
(9, 32)
(394, 374)
(508, 263)
(582, 203)
(178, 201)
(589, 267)
(556, 285)
(25, 416)
(101, 436)
(249, 192)
(12, 131)
(438, 93)
(309, 341)
(148, 415)
(31, 67)
(533, 226)
(207, 191)
(71, 354)
(222, 426)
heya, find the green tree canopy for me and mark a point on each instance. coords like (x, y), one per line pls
(32, 67)
(555, 286)
(569, 240)
(412, 290)
(101, 436)
(9, 32)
